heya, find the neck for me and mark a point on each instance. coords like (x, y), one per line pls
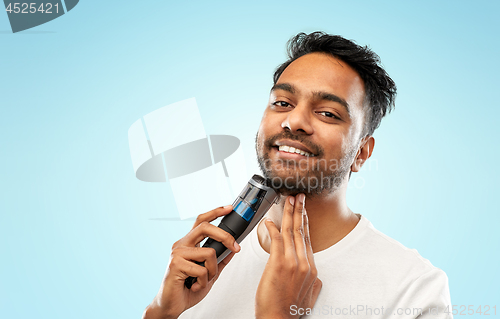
(330, 219)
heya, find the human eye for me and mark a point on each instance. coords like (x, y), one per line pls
(329, 115)
(282, 104)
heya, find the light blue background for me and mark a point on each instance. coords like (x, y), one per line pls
(77, 234)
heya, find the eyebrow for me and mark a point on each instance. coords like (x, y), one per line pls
(318, 95)
(283, 86)
(334, 98)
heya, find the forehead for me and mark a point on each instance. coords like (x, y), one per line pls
(315, 72)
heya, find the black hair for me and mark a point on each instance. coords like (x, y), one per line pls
(380, 89)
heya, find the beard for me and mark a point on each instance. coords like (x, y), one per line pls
(312, 176)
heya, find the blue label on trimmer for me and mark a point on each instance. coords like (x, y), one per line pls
(244, 211)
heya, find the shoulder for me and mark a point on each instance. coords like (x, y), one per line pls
(418, 281)
(389, 256)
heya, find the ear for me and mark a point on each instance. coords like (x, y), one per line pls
(364, 152)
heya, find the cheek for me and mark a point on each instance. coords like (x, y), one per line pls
(262, 134)
(337, 143)
(269, 125)
(336, 146)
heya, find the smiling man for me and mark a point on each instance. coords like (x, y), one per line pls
(312, 255)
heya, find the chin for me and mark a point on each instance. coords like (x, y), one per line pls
(291, 182)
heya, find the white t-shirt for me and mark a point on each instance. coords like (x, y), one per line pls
(364, 275)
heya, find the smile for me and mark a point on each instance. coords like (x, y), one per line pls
(293, 150)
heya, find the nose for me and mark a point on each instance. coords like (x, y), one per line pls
(298, 120)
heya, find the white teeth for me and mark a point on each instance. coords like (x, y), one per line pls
(290, 149)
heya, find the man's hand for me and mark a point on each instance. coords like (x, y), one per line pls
(173, 297)
(290, 276)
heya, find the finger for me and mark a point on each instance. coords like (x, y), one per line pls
(206, 229)
(212, 215)
(307, 239)
(298, 231)
(287, 226)
(318, 284)
(205, 254)
(182, 268)
(277, 248)
(312, 271)
(312, 294)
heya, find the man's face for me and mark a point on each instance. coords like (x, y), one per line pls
(317, 107)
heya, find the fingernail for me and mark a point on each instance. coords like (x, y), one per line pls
(292, 200)
(302, 197)
(227, 206)
(236, 246)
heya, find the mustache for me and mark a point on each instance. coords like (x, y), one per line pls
(316, 149)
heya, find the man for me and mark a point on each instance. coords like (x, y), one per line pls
(311, 255)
